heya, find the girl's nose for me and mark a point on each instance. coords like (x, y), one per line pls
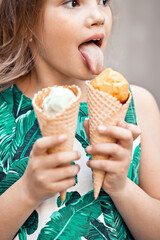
(95, 17)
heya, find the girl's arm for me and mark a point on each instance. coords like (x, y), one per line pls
(15, 207)
(41, 180)
(141, 210)
(139, 206)
(149, 120)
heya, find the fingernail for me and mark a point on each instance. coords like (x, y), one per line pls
(86, 120)
(123, 124)
(88, 163)
(78, 155)
(102, 128)
(62, 137)
(89, 149)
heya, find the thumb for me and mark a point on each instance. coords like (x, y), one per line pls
(136, 131)
(86, 128)
(43, 144)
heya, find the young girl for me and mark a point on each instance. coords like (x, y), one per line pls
(59, 42)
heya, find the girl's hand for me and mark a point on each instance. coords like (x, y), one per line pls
(116, 167)
(44, 175)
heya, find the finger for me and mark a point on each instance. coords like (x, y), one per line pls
(112, 149)
(123, 135)
(43, 144)
(63, 185)
(86, 128)
(109, 166)
(62, 173)
(60, 158)
(136, 131)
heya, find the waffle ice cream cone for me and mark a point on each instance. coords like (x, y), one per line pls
(63, 123)
(103, 110)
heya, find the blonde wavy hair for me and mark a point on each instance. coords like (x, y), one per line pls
(18, 20)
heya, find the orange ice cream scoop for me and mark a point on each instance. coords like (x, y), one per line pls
(112, 82)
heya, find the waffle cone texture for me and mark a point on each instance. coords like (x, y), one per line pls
(106, 110)
(63, 123)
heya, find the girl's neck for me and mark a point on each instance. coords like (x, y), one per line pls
(32, 83)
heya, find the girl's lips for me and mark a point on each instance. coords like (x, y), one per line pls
(96, 38)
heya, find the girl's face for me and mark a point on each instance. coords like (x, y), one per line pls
(73, 37)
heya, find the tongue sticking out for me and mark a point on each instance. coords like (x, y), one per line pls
(92, 56)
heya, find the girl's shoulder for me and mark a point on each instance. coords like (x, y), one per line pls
(145, 103)
(139, 91)
(147, 112)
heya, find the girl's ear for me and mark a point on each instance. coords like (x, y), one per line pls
(30, 40)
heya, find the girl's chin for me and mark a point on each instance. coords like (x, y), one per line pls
(86, 76)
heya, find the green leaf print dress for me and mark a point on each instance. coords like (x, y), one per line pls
(80, 216)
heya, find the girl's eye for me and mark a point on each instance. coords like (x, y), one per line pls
(71, 4)
(103, 2)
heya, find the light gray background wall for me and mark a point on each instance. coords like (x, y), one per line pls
(134, 45)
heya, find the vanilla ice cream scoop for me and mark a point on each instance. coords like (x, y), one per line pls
(57, 101)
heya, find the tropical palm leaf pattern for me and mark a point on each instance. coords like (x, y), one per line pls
(79, 217)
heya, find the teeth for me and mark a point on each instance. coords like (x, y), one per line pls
(96, 39)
